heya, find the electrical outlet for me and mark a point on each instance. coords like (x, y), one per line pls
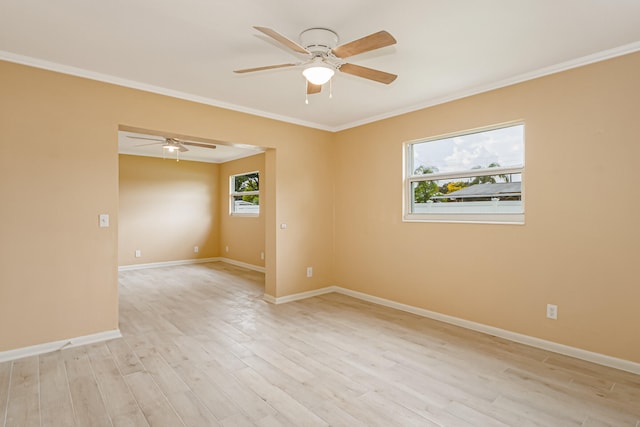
(261, 255)
(552, 311)
(138, 255)
(309, 271)
(196, 249)
(226, 248)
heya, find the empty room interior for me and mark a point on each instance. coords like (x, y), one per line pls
(441, 232)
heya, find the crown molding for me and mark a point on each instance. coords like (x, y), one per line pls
(105, 78)
(553, 69)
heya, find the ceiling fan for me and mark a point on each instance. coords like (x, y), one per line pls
(173, 144)
(325, 56)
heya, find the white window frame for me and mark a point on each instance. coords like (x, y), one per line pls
(491, 218)
(233, 194)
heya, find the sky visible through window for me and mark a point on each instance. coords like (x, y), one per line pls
(503, 147)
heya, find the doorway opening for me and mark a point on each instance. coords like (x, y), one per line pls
(174, 203)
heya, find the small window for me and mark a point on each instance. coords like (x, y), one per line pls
(476, 176)
(244, 192)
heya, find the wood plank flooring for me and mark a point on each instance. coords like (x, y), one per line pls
(201, 348)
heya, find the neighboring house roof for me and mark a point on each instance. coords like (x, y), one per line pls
(502, 189)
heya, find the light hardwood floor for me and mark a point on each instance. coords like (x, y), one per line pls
(201, 348)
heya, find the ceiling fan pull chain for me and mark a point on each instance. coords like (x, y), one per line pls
(330, 88)
(306, 92)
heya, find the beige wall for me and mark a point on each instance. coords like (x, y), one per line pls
(166, 208)
(243, 235)
(578, 248)
(58, 269)
(341, 197)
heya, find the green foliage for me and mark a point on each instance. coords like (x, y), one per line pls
(252, 199)
(486, 179)
(424, 170)
(425, 189)
(248, 182)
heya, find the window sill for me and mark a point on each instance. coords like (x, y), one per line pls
(244, 215)
(516, 219)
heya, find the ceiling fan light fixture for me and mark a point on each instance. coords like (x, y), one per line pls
(318, 74)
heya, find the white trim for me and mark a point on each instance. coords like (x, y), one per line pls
(191, 261)
(92, 75)
(299, 296)
(243, 264)
(553, 69)
(48, 347)
(478, 218)
(463, 213)
(590, 356)
(167, 263)
(470, 173)
(270, 299)
(557, 68)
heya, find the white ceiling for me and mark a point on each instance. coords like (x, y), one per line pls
(446, 48)
(129, 143)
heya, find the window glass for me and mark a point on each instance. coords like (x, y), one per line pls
(475, 176)
(245, 193)
(497, 147)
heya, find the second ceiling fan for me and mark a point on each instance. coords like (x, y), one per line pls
(325, 56)
(173, 145)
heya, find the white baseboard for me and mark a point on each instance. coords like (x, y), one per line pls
(48, 347)
(270, 299)
(242, 264)
(33, 350)
(191, 261)
(601, 359)
(299, 296)
(167, 263)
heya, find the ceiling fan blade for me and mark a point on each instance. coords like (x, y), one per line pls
(151, 143)
(311, 88)
(150, 139)
(368, 73)
(268, 67)
(181, 147)
(282, 39)
(365, 44)
(198, 144)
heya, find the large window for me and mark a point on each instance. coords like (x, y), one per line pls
(244, 193)
(475, 176)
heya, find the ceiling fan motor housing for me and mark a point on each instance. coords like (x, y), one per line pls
(318, 40)
(327, 56)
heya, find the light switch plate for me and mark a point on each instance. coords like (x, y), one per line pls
(104, 220)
